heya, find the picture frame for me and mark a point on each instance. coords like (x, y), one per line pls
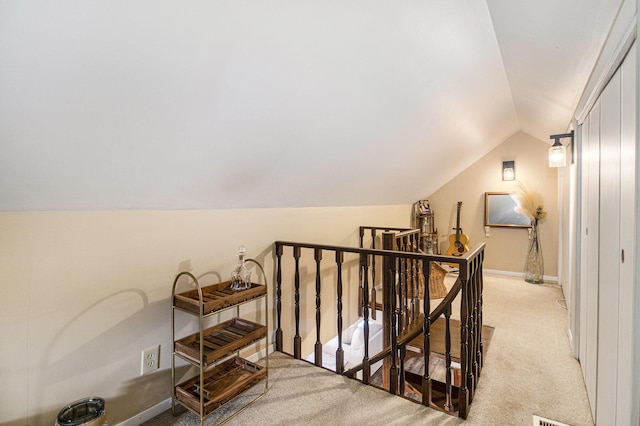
(499, 210)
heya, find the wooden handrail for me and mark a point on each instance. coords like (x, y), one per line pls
(403, 269)
(377, 252)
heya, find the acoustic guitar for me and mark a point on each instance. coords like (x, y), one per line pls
(458, 242)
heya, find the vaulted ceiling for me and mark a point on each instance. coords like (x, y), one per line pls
(243, 104)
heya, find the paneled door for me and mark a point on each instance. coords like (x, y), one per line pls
(609, 250)
(589, 265)
(627, 249)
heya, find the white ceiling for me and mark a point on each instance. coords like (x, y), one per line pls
(549, 48)
(163, 104)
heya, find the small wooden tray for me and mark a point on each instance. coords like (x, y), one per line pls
(216, 297)
(221, 340)
(221, 384)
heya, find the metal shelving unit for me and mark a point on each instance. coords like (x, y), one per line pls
(222, 374)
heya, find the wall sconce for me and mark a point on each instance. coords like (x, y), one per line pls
(558, 152)
(508, 170)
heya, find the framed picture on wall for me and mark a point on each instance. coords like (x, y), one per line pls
(500, 210)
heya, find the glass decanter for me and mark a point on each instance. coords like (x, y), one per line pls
(241, 276)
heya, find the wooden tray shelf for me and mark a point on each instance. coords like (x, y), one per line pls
(221, 384)
(216, 297)
(220, 340)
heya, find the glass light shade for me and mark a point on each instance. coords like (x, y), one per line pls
(508, 170)
(508, 174)
(557, 156)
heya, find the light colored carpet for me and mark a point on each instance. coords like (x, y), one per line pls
(302, 394)
(528, 370)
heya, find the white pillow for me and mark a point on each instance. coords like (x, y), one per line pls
(347, 334)
(357, 338)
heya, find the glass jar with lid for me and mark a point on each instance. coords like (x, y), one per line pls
(241, 276)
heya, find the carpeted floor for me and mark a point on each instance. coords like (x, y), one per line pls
(302, 394)
(528, 370)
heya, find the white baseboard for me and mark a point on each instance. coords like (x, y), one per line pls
(148, 414)
(165, 405)
(548, 278)
(498, 272)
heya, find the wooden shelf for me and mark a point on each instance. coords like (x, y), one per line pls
(221, 384)
(216, 297)
(220, 341)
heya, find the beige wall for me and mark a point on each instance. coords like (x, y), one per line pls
(505, 247)
(83, 293)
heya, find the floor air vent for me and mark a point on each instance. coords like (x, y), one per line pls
(541, 421)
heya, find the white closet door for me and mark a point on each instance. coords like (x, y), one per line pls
(583, 159)
(609, 262)
(591, 223)
(627, 238)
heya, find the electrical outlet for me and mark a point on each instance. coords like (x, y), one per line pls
(150, 360)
